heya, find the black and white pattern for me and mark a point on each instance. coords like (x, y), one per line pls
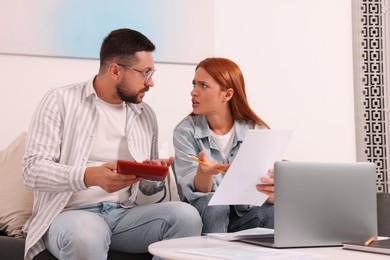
(371, 86)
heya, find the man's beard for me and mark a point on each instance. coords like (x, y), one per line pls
(125, 97)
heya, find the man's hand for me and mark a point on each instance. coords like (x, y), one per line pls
(267, 186)
(163, 162)
(105, 176)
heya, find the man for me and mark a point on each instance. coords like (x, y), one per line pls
(82, 207)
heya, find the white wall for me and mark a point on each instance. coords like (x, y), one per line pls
(296, 56)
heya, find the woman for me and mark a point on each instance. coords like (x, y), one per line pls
(214, 132)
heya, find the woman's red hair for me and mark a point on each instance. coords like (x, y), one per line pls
(228, 75)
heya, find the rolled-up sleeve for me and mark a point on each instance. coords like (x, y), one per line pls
(184, 168)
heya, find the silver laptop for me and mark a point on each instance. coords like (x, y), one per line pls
(322, 204)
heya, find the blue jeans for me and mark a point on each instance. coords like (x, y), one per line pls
(225, 218)
(89, 232)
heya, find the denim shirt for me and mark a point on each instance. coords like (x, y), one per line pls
(191, 136)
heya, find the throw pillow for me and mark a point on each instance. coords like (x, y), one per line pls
(16, 200)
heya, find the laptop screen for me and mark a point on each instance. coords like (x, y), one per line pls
(324, 204)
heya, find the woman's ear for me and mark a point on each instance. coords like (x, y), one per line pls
(229, 94)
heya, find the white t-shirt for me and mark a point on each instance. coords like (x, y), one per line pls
(110, 144)
(224, 143)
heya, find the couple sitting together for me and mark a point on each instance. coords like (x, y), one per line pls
(83, 208)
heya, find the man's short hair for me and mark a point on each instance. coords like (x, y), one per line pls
(123, 44)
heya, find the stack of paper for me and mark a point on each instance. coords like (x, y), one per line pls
(248, 233)
(244, 252)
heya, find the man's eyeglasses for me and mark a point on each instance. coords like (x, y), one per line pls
(148, 74)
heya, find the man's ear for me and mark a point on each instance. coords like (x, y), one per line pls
(114, 70)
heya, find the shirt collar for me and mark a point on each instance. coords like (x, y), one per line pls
(89, 90)
(137, 108)
(202, 128)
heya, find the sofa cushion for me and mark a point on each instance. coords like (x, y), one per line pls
(12, 248)
(15, 199)
(383, 210)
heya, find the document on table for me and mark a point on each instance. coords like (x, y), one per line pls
(255, 253)
(257, 154)
(247, 233)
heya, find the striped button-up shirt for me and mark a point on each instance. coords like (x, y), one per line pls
(58, 147)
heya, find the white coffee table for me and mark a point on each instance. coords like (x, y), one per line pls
(168, 249)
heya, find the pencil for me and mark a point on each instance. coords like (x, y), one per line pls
(196, 159)
(369, 241)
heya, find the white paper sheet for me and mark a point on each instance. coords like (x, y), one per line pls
(255, 253)
(247, 233)
(257, 154)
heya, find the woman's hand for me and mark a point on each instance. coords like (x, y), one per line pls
(210, 167)
(267, 186)
(203, 181)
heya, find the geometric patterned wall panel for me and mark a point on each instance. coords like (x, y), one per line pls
(371, 88)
